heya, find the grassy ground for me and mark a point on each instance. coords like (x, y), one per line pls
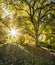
(15, 54)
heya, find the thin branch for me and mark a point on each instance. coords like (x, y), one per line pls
(30, 33)
(28, 3)
(45, 14)
(43, 7)
(20, 8)
(4, 24)
(33, 7)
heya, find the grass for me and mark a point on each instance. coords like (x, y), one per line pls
(15, 54)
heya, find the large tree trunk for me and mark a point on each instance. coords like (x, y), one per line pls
(36, 29)
(37, 41)
(37, 35)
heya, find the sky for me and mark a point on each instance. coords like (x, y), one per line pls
(53, 0)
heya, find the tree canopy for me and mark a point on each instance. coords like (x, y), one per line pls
(34, 17)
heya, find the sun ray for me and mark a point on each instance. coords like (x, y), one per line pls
(13, 32)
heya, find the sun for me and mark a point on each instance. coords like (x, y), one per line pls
(13, 32)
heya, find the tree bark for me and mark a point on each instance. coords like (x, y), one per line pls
(37, 35)
(37, 41)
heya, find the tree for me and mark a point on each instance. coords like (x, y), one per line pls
(32, 12)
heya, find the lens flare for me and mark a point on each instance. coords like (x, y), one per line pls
(13, 32)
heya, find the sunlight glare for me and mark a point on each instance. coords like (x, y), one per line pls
(7, 13)
(13, 32)
(40, 37)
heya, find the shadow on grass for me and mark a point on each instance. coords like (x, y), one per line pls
(15, 54)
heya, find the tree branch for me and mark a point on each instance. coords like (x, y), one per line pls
(33, 7)
(20, 8)
(43, 7)
(4, 24)
(44, 14)
(28, 3)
